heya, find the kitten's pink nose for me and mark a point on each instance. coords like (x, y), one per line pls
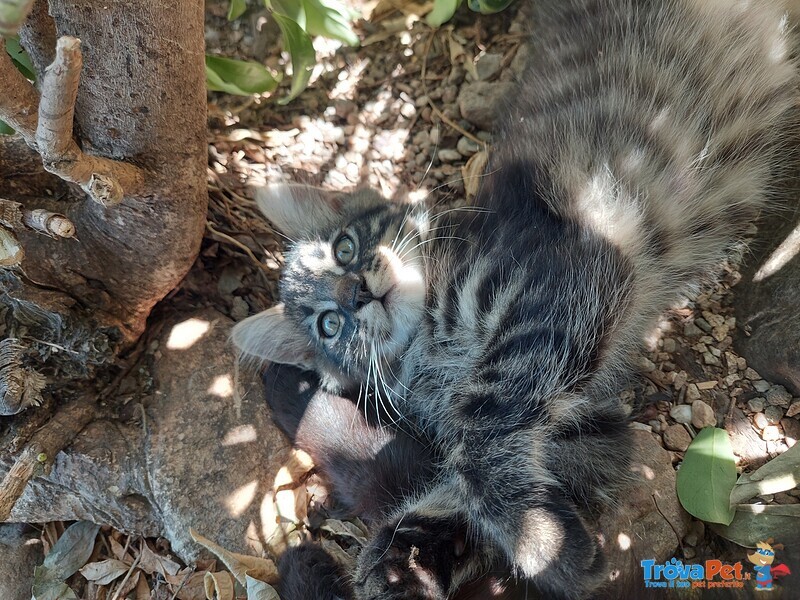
(352, 292)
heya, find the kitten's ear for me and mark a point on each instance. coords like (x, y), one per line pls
(298, 210)
(272, 337)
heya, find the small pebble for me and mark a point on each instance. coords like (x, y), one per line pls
(641, 426)
(771, 433)
(711, 360)
(794, 409)
(655, 425)
(784, 498)
(751, 374)
(760, 420)
(680, 380)
(761, 385)
(692, 393)
(791, 431)
(691, 330)
(644, 364)
(774, 414)
(689, 553)
(778, 396)
(702, 415)
(466, 147)
(731, 379)
(676, 438)
(488, 66)
(448, 155)
(756, 404)
(691, 538)
(682, 413)
(239, 308)
(703, 324)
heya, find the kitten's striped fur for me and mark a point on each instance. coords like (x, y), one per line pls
(645, 137)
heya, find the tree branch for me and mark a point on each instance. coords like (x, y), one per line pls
(56, 435)
(103, 179)
(12, 13)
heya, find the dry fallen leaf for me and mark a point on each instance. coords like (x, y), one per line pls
(104, 571)
(240, 564)
(472, 172)
(219, 586)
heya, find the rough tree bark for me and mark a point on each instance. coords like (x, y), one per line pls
(111, 141)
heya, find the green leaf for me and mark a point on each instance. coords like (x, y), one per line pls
(443, 11)
(298, 43)
(20, 58)
(294, 9)
(5, 129)
(488, 7)
(707, 476)
(778, 475)
(243, 78)
(236, 9)
(330, 19)
(755, 523)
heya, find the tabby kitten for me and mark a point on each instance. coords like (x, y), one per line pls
(643, 140)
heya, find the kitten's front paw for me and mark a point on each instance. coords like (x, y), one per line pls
(415, 558)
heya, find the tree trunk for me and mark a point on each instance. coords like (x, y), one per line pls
(111, 149)
(140, 101)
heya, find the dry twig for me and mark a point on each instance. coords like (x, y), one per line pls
(104, 180)
(53, 437)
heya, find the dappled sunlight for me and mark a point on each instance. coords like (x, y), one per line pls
(241, 499)
(781, 256)
(222, 386)
(624, 541)
(186, 334)
(645, 471)
(243, 434)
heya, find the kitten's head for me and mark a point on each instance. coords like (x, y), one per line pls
(353, 287)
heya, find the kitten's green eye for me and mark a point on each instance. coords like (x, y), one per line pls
(345, 250)
(329, 323)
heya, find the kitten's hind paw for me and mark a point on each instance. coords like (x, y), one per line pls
(415, 558)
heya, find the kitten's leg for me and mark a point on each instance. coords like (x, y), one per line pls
(370, 467)
(499, 502)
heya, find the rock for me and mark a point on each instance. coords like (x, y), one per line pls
(761, 386)
(771, 433)
(643, 364)
(703, 324)
(710, 359)
(760, 420)
(791, 430)
(784, 498)
(794, 409)
(488, 66)
(778, 396)
(480, 101)
(751, 374)
(774, 414)
(692, 330)
(766, 302)
(692, 393)
(448, 155)
(756, 404)
(745, 441)
(199, 450)
(668, 345)
(682, 413)
(702, 415)
(466, 147)
(676, 438)
(20, 553)
(637, 528)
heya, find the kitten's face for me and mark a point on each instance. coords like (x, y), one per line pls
(353, 288)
